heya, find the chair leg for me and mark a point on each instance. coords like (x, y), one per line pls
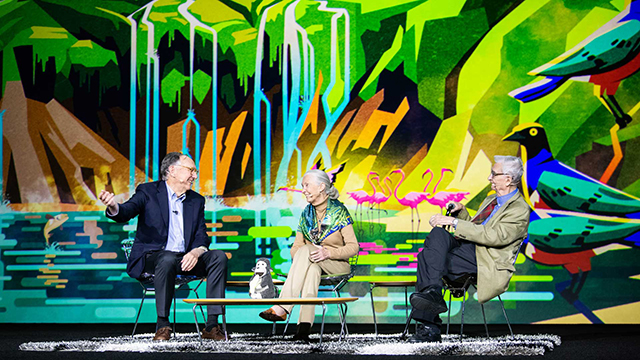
(175, 310)
(144, 294)
(464, 300)
(373, 310)
(405, 332)
(484, 318)
(449, 313)
(505, 316)
(287, 324)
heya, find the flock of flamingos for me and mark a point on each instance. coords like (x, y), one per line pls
(382, 193)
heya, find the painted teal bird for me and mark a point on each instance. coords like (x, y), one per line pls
(604, 58)
(574, 217)
(555, 185)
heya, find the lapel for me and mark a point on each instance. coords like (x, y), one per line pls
(187, 215)
(163, 201)
(499, 212)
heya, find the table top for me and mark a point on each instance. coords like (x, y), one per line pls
(392, 283)
(246, 282)
(276, 301)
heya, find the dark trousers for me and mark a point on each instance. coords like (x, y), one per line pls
(442, 255)
(165, 265)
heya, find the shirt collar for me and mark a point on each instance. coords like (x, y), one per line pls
(504, 198)
(172, 194)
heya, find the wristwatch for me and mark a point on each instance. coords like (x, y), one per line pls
(455, 223)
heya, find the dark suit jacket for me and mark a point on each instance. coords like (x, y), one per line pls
(150, 203)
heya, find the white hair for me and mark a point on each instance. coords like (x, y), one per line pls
(321, 177)
(512, 166)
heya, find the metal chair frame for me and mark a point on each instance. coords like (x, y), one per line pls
(147, 283)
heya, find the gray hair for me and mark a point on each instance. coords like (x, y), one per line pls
(322, 178)
(170, 159)
(512, 166)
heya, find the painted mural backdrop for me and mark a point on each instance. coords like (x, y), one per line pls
(404, 102)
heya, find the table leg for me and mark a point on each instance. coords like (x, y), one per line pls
(373, 310)
(224, 322)
(324, 311)
(195, 317)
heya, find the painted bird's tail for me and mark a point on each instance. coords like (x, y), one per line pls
(538, 89)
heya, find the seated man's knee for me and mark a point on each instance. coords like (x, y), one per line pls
(436, 234)
(216, 256)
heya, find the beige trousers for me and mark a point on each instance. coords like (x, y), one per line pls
(304, 279)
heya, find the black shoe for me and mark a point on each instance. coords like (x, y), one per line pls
(426, 334)
(429, 300)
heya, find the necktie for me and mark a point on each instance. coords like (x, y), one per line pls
(484, 214)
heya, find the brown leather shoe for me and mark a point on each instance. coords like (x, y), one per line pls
(215, 334)
(163, 334)
(271, 315)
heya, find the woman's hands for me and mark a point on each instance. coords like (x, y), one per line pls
(320, 254)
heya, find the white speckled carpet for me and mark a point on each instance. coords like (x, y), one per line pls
(355, 344)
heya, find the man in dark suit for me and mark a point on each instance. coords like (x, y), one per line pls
(172, 239)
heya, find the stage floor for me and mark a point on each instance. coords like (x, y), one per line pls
(620, 342)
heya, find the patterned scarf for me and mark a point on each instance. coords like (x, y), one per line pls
(336, 217)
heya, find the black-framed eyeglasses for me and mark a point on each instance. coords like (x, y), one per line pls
(493, 174)
(192, 169)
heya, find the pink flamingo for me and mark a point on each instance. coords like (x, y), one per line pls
(411, 199)
(441, 198)
(289, 189)
(381, 196)
(361, 196)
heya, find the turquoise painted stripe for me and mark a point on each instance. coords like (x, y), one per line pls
(41, 252)
(523, 296)
(4, 225)
(129, 227)
(393, 269)
(5, 278)
(108, 237)
(31, 229)
(8, 243)
(67, 267)
(225, 246)
(7, 217)
(82, 246)
(88, 218)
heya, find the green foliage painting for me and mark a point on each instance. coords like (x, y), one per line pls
(393, 97)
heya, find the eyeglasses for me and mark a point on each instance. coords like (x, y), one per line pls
(193, 170)
(496, 174)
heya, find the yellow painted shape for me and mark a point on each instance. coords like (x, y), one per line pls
(83, 43)
(46, 32)
(358, 178)
(636, 277)
(224, 159)
(244, 35)
(377, 120)
(621, 314)
(245, 159)
(212, 12)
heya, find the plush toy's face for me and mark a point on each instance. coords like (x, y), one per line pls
(261, 268)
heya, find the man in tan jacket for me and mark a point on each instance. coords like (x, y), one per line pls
(486, 244)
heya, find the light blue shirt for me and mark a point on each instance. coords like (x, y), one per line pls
(175, 241)
(501, 200)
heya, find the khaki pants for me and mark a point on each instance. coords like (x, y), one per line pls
(304, 280)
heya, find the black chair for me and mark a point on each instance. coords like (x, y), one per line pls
(146, 280)
(458, 288)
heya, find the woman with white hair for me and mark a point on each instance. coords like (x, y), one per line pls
(324, 242)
